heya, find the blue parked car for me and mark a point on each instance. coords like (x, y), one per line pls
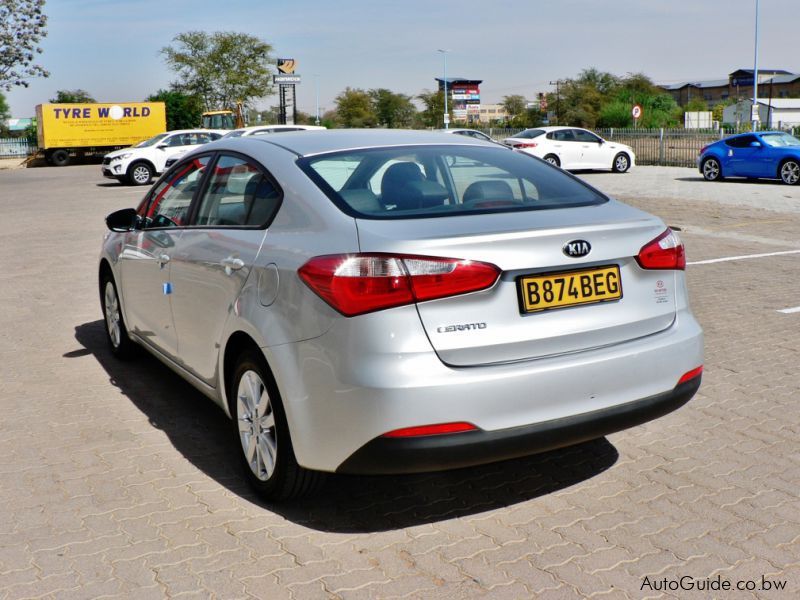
(766, 154)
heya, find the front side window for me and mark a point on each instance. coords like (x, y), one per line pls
(238, 194)
(743, 141)
(168, 204)
(434, 181)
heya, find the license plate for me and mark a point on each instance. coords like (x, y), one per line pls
(573, 288)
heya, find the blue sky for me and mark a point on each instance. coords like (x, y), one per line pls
(111, 47)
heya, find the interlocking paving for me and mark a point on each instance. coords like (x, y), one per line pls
(118, 480)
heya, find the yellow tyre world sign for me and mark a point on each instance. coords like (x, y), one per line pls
(91, 124)
(557, 290)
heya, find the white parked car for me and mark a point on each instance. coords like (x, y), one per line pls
(248, 131)
(573, 148)
(138, 164)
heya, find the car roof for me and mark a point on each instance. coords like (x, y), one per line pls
(309, 143)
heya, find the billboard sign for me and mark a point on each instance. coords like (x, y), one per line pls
(287, 65)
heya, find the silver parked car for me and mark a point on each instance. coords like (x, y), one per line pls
(396, 301)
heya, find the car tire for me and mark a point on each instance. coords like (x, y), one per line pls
(553, 160)
(59, 158)
(262, 433)
(621, 164)
(140, 173)
(116, 332)
(789, 172)
(711, 169)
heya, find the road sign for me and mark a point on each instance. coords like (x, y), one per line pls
(286, 78)
(636, 112)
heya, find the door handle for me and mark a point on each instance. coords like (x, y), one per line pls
(162, 260)
(232, 264)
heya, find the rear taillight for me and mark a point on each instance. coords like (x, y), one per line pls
(664, 252)
(527, 145)
(355, 284)
(703, 150)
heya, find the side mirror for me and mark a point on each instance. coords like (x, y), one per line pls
(755, 144)
(122, 220)
(162, 146)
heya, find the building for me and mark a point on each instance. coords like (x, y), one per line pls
(463, 98)
(772, 83)
(778, 113)
(492, 112)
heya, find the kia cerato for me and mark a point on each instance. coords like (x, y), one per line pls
(396, 302)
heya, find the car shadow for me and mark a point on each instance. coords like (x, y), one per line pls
(739, 180)
(202, 433)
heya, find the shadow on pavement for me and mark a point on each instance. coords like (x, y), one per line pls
(201, 432)
(740, 180)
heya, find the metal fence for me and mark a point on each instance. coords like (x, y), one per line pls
(17, 147)
(665, 147)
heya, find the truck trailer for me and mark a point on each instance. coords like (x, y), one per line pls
(64, 130)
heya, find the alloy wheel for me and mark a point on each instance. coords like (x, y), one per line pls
(256, 418)
(790, 172)
(141, 174)
(711, 169)
(111, 305)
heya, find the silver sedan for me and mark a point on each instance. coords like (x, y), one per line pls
(395, 301)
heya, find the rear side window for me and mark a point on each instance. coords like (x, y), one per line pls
(433, 181)
(238, 194)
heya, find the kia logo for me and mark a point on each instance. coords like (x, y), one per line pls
(577, 248)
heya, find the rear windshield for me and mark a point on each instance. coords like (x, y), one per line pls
(780, 140)
(529, 134)
(427, 181)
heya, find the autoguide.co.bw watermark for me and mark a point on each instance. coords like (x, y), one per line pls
(688, 583)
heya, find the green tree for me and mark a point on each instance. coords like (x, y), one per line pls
(392, 110)
(221, 68)
(515, 105)
(433, 114)
(22, 26)
(5, 114)
(354, 108)
(580, 100)
(183, 111)
(72, 97)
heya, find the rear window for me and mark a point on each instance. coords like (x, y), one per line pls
(529, 134)
(430, 181)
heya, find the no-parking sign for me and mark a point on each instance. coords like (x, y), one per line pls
(636, 111)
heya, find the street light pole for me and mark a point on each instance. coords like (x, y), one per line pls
(754, 113)
(316, 84)
(446, 113)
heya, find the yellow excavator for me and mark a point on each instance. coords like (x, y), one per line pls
(225, 118)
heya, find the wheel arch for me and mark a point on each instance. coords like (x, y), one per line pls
(146, 161)
(238, 342)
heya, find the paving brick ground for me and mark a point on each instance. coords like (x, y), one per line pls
(119, 481)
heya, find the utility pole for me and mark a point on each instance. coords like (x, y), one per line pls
(557, 83)
(446, 114)
(754, 113)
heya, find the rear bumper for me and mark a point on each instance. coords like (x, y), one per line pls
(439, 452)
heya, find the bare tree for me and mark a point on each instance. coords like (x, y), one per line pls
(22, 26)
